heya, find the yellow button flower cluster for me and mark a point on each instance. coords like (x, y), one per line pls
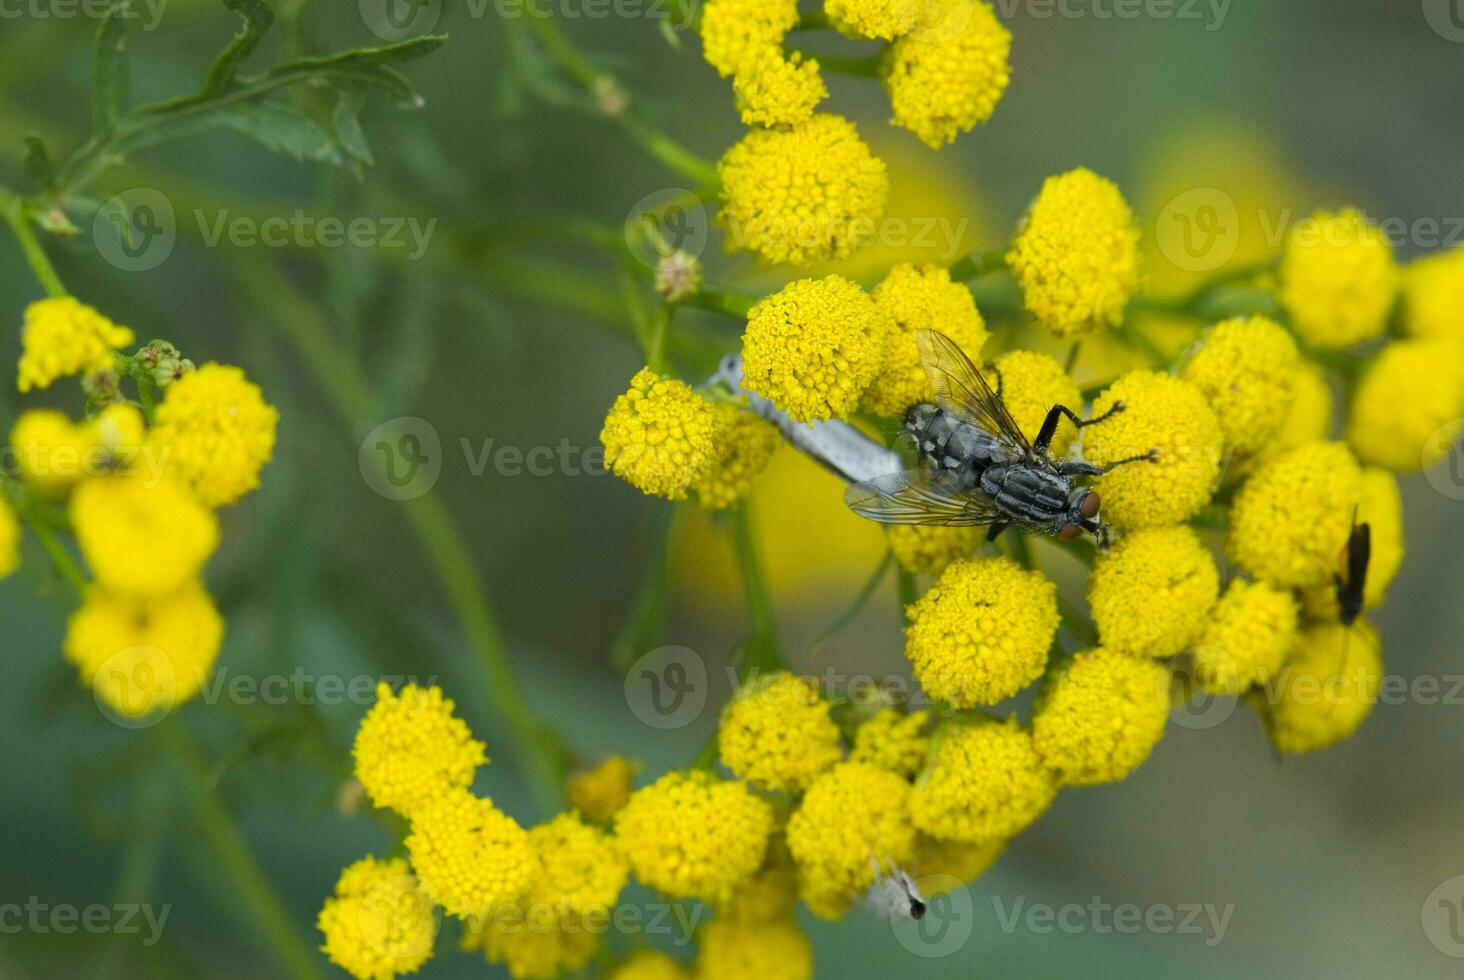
(929, 549)
(1032, 383)
(1433, 296)
(915, 298)
(62, 337)
(381, 922)
(216, 433)
(474, 857)
(1150, 593)
(772, 90)
(649, 964)
(1409, 407)
(599, 793)
(882, 19)
(660, 436)
(947, 76)
(730, 949)
(744, 446)
(732, 31)
(776, 732)
(1338, 279)
(893, 740)
(1246, 638)
(1099, 716)
(986, 784)
(1327, 688)
(9, 540)
(1247, 369)
(411, 749)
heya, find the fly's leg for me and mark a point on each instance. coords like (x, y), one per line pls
(996, 529)
(1058, 412)
(1073, 467)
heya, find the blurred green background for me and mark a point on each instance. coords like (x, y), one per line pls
(503, 331)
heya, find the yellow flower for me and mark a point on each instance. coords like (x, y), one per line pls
(412, 750)
(1309, 419)
(52, 453)
(944, 863)
(1097, 718)
(915, 298)
(9, 540)
(813, 348)
(660, 436)
(772, 90)
(947, 76)
(1291, 519)
(929, 549)
(1246, 368)
(853, 817)
(745, 444)
(580, 867)
(62, 337)
(776, 733)
(734, 30)
(1246, 639)
(649, 964)
(732, 950)
(534, 940)
(981, 633)
(1327, 688)
(893, 740)
(803, 194)
(986, 784)
(142, 536)
(217, 432)
(143, 656)
(1409, 408)
(1150, 593)
(1433, 296)
(1076, 254)
(600, 793)
(1338, 279)
(883, 19)
(1381, 508)
(1031, 384)
(473, 856)
(691, 835)
(380, 923)
(770, 894)
(1165, 414)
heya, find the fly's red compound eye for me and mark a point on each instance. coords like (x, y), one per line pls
(1088, 506)
(1069, 533)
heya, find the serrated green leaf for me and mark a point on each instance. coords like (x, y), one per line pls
(386, 54)
(40, 173)
(349, 133)
(111, 74)
(258, 18)
(272, 124)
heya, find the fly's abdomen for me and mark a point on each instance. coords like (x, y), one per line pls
(947, 444)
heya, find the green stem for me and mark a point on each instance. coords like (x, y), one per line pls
(907, 591)
(866, 67)
(715, 301)
(16, 216)
(238, 863)
(762, 652)
(852, 613)
(814, 21)
(978, 264)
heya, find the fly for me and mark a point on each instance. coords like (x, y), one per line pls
(978, 468)
(894, 897)
(1350, 588)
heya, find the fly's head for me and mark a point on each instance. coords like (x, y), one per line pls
(1082, 516)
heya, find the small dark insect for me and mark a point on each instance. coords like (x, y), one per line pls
(977, 466)
(1350, 588)
(894, 897)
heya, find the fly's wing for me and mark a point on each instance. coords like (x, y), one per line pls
(961, 390)
(918, 497)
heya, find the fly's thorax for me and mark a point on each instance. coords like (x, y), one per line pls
(1031, 491)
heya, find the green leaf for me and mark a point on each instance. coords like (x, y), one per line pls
(40, 173)
(258, 17)
(363, 67)
(111, 74)
(273, 124)
(349, 133)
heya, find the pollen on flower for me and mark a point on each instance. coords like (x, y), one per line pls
(1246, 368)
(947, 76)
(1380, 507)
(915, 298)
(141, 535)
(893, 740)
(745, 444)
(1151, 592)
(729, 949)
(649, 964)
(1409, 407)
(1338, 279)
(660, 436)
(733, 31)
(1309, 419)
(1326, 689)
(1433, 296)
(854, 817)
(145, 655)
(982, 632)
(411, 749)
(1165, 415)
(599, 793)
(9, 539)
(929, 549)
(691, 835)
(215, 432)
(986, 783)
(1076, 254)
(580, 867)
(1246, 638)
(1031, 384)
(813, 348)
(1291, 518)
(882, 19)
(1099, 716)
(776, 732)
(804, 194)
(62, 337)
(773, 90)
(475, 857)
(381, 921)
